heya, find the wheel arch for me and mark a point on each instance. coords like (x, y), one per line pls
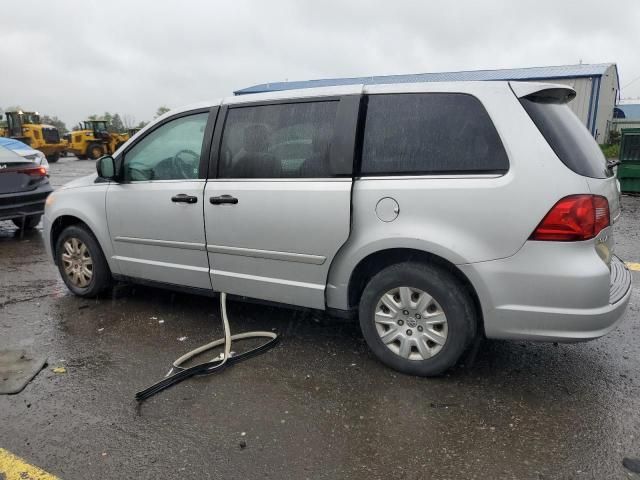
(376, 261)
(62, 222)
(68, 219)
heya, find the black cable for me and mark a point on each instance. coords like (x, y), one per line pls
(213, 366)
(206, 368)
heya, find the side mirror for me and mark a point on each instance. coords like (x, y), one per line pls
(106, 167)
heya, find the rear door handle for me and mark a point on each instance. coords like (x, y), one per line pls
(223, 199)
(184, 198)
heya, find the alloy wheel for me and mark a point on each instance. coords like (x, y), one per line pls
(77, 262)
(411, 323)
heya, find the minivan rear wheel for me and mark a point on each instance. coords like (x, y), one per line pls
(81, 262)
(417, 319)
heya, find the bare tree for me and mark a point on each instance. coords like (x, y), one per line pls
(162, 110)
(129, 121)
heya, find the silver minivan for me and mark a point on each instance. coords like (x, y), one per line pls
(438, 212)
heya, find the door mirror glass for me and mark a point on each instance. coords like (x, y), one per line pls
(106, 167)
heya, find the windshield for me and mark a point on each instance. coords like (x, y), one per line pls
(30, 117)
(95, 126)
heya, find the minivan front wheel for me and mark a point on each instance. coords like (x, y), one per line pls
(81, 262)
(417, 319)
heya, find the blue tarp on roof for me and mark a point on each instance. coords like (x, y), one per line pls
(533, 73)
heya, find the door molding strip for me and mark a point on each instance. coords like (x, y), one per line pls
(161, 243)
(269, 254)
(271, 280)
(157, 263)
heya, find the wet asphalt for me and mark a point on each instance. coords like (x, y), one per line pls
(318, 406)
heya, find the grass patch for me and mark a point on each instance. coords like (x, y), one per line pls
(611, 151)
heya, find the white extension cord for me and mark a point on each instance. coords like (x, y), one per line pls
(179, 373)
(226, 340)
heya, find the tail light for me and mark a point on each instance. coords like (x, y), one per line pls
(574, 218)
(37, 172)
(31, 171)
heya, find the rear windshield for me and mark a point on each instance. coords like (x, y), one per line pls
(567, 136)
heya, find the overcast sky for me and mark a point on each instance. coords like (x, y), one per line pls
(74, 58)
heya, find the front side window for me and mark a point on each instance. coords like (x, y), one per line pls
(278, 141)
(430, 133)
(171, 152)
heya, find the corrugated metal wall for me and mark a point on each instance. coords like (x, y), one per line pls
(604, 91)
(580, 104)
(606, 102)
(621, 123)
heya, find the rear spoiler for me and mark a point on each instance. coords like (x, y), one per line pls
(543, 92)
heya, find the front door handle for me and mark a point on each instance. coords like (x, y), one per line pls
(223, 199)
(184, 198)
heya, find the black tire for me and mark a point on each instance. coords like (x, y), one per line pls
(454, 299)
(53, 158)
(95, 151)
(101, 278)
(27, 223)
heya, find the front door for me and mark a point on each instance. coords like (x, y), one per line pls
(280, 208)
(155, 213)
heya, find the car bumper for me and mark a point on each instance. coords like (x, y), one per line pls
(16, 205)
(551, 292)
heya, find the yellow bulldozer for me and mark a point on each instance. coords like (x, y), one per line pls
(28, 128)
(95, 140)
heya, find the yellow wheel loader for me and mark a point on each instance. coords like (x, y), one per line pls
(28, 128)
(95, 140)
(133, 131)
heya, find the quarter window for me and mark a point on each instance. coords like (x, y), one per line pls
(567, 136)
(171, 152)
(278, 141)
(431, 133)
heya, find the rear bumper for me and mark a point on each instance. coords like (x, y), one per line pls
(16, 205)
(551, 292)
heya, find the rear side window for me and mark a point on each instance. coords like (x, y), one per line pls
(567, 136)
(430, 133)
(278, 141)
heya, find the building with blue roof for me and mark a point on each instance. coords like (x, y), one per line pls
(596, 85)
(629, 111)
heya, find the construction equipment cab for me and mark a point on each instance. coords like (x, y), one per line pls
(95, 140)
(133, 131)
(28, 128)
